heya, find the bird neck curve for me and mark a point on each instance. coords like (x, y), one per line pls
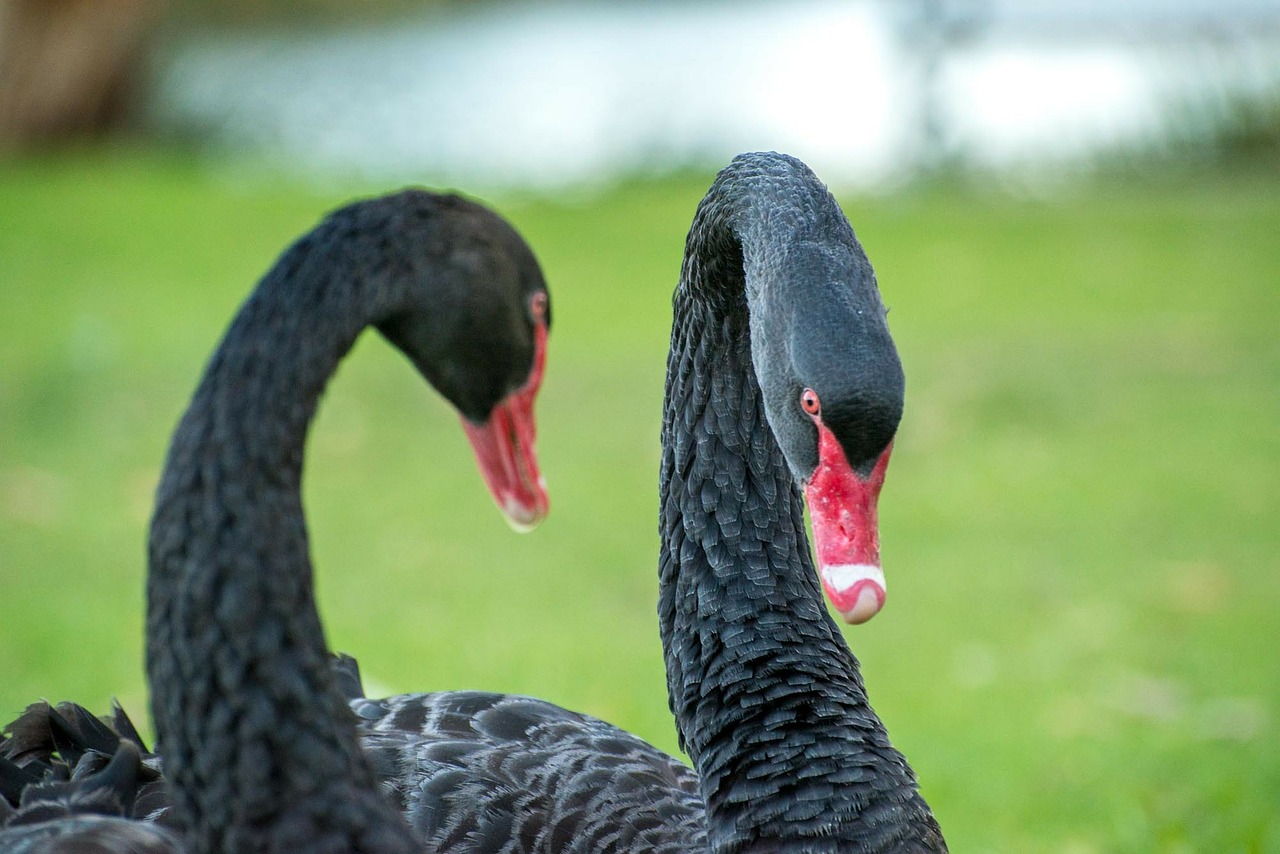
(257, 741)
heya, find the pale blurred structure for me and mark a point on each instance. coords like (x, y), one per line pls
(871, 92)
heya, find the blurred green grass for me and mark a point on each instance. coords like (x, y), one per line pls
(1080, 528)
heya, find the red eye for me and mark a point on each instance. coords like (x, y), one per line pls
(809, 402)
(538, 305)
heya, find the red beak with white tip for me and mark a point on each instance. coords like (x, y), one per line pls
(846, 534)
(504, 448)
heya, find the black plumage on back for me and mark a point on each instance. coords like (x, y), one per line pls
(70, 797)
(483, 772)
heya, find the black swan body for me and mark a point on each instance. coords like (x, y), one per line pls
(782, 375)
(260, 749)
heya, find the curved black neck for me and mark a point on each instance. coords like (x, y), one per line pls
(768, 699)
(259, 747)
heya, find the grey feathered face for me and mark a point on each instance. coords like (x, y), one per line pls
(826, 332)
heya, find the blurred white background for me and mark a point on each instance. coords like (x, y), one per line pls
(556, 94)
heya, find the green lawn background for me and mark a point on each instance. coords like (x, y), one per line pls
(1079, 651)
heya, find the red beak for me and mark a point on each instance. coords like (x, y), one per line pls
(846, 533)
(504, 449)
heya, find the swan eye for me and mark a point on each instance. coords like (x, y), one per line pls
(538, 306)
(809, 402)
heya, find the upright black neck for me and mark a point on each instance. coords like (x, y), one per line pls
(258, 744)
(768, 699)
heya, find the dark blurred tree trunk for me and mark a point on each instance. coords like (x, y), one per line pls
(70, 68)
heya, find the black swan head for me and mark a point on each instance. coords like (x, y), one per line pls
(473, 317)
(833, 386)
(785, 257)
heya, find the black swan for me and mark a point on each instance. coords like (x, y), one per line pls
(782, 374)
(260, 749)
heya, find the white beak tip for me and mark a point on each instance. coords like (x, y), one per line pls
(856, 590)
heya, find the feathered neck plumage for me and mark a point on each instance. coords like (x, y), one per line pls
(257, 742)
